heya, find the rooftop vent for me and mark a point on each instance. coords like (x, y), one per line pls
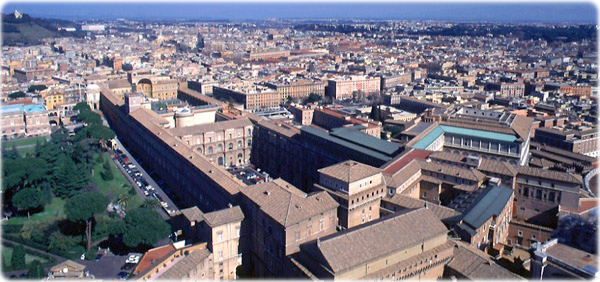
(298, 206)
(267, 193)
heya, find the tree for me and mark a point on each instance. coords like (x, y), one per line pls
(59, 241)
(83, 207)
(29, 198)
(89, 117)
(36, 270)
(82, 107)
(70, 178)
(100, 159)
(107, 174)
(375, 112)
(144, 226)
(15, 95)
(12, 154)
(312, 98)
(17, 261)
(36, 88)
(123, 201)
(150, 203)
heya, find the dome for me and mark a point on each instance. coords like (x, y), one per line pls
(92, 87)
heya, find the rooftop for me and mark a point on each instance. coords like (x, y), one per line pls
(349, 171)
(365, 243)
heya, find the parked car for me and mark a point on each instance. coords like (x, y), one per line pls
(133, 259)
(98, 257)
(122, 275)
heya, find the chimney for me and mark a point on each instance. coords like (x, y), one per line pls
(318, 242)
(426, 206)
(230, 205)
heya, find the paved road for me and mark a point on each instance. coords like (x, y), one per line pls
(149, 179)
(107, 267)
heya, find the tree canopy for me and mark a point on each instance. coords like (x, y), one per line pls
(36, 270)
(17, 260)
(15, 95)
(84, 206)
(144, 226)
(29, 198)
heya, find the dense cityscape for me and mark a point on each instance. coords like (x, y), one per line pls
(296, 148)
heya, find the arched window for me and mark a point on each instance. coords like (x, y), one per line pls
(239, 144)
(249, 132)
(199, 149)
(240, 157)
(249, 143)
(210, 150)
(230, 147)
(220, 160)
(219, 148)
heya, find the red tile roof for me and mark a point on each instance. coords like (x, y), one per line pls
(153, 254)
(404, 159)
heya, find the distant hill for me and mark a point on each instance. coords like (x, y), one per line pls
(27, 30)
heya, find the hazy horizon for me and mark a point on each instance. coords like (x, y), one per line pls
(510, 12)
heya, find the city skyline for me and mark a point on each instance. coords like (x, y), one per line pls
(533, 12)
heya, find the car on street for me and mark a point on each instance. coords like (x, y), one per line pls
(122, 275)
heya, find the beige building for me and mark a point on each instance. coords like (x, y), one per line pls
(225, 143)
(411, 245)
(280, 218)
(344, 87)
(357, 187)
(158, 88)
(221, 230)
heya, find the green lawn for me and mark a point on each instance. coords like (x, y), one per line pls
(51, 212)
(7, 254)
(26, 151)
(23, 142)
(113, 188)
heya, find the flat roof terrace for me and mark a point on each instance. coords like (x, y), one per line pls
(441, 129)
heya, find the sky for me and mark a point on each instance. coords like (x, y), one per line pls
(546, 12)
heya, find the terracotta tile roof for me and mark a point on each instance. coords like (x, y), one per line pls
(572, 256)
(215, 126)
(452, 171)
(349, 171)
(407, 202)
(367, 242)
(217, 174)
(224, 216)
(403, 174)
(486, 165)
(477, 265)
(182, 268)
(522, 126)
(68, 263)
(156, 254)
(193, 214)
(287, 204)
(400, 161)
(550, 174)
(119, 83)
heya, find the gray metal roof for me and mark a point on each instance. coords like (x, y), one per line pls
(354, 135)
(325, 135)
(489, 203)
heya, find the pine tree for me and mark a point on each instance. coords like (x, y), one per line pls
(107, 175)
(17, 261)
(36, 270)
(70, 178)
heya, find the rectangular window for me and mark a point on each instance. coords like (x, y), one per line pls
(220, 237)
